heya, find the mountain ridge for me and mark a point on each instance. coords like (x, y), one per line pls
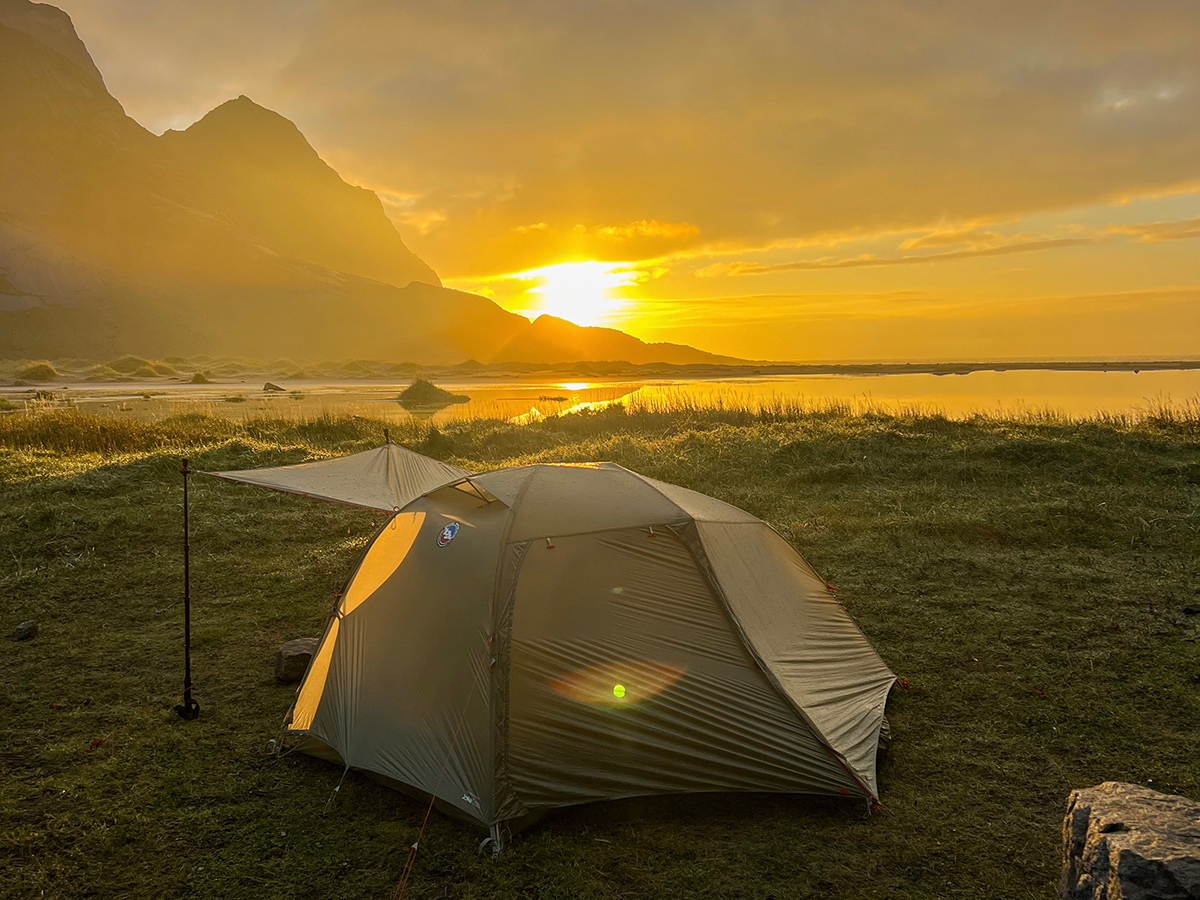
(257, 168)
(52, 27)
(550, 339)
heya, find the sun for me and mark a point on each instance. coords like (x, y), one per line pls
(580, 292)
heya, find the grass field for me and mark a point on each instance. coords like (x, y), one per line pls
(1027, 578)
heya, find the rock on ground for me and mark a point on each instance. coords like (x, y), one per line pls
(292, 658)
(1127, 842)
(24, 632)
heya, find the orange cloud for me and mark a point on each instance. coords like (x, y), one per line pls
(643, 228)
(744, 268)
(1153, 232)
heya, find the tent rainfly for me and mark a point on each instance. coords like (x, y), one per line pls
(549, 635)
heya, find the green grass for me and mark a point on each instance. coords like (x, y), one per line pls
(1026, 577)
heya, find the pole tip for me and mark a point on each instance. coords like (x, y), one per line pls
(189, 709)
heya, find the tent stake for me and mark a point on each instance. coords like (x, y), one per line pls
(189, 709)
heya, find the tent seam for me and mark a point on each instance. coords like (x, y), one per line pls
(705, 567)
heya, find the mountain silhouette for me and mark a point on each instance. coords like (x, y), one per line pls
(232, 237)
(553, 340)
(257, 169)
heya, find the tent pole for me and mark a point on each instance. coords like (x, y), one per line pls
(189, 709)
(387, 439)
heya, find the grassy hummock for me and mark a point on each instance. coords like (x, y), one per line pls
(1026, 577)
(41, 370)
(422, 393)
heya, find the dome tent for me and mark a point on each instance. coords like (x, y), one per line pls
(543, 636)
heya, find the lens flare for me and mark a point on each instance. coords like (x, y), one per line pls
(618, 683)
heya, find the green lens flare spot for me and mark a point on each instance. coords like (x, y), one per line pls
(619, 691)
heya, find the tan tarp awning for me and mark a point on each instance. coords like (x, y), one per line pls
(386, 478)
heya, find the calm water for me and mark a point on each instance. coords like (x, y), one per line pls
(1072, 393)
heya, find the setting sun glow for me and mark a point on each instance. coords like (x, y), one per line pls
(580, 292)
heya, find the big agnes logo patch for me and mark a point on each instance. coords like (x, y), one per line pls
(446, 535)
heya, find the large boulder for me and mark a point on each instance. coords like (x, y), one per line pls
(291, 660)
(1127, 842)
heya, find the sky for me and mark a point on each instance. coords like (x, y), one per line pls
(836, 180)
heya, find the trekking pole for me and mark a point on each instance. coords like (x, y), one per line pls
(189, 709)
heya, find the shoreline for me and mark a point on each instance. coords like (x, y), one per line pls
(70, 374)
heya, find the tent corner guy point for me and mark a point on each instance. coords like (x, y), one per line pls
(537, 637)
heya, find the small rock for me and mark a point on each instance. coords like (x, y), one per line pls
(272, 386)
(1192, 610)
(27, 630)
(291, 660)
(1130, 842)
